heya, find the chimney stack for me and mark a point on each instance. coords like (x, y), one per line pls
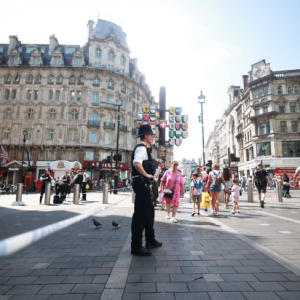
(13, 42)
(53, 43)
(90, 26)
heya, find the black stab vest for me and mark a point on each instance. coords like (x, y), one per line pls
(148, 164)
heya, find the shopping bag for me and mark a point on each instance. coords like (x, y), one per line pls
(87, 187)
(205, 200)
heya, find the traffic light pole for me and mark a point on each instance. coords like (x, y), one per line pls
(117, 154)
(203, 154)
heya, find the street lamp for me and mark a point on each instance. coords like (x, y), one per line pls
(201, 100)
(24, 140)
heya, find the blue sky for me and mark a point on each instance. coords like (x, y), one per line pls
(185, 45)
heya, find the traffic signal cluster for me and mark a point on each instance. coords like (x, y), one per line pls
(209, 163)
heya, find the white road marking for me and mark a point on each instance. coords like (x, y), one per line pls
(287, 232)
(264, 224)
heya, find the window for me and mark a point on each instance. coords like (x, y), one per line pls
(96, 80)
(69, 50)
(36, 95)
(122, 71)
(72, 79)
(30, 114)
(51, 78)
(72, 95)
(72, 134)
(57, 61)
(262, 128)
(28, 135)
(109, 118)
(98, 64)
(94, 117)
(1, 49)
(279, 90)
(121, 141)
(14, 94)
(294, 126)
(7, 94)
(289, 89)
(110, 98)
(265, 109)
(93, 137)
(133, 93)
(36, 61)
(15, 60)
(108, 138)
(121, 120)
(296, 89)
(281, 108)
(50, 134)
(38, 78)
(98, 53)
(291, 149)
(29, 49)
(256, 111)
(123, 61)
(292, 107)
(133, 106)
(123, 88)
(78, 95)
(123, 103)
(81, 79)
(52, 114)
(8, 114)
(8, 78)
(59, 79)
(29, 94)
(48, 155)
(95, 98)
(110, 67)
(74, 114)
(6, 133)
(260, 92)
(268, 127)
(111, 56)
(78, 62)
(50, 95)
(282, 126)
(29, 78)
(89, 155)
(43, 49)
(17, 78)
(263, 149)
(57, 95)
(255, 94)
(266, 90)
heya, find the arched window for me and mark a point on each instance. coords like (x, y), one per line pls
(30, 113)
(110, 84)
(17, 78)
(72, 134)
(81, 79)
(296, 89)
(96, 80)
(29, 78)
(38, 78)
(290, 91)
(8, 114)
(8, 78)
(51, 78)
(74, 114)
(123, 88)
(98, 53)
(52, 114)
(111, 56)
(72, 79)
(59, 78)
(94, 117)
(109, 118)
(279, 90)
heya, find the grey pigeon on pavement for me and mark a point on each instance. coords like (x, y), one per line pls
(97, 224)
(116, 225)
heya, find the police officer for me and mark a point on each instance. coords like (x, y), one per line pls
(143, 170)
(45, 178)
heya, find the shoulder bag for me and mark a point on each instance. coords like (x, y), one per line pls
(170, 193)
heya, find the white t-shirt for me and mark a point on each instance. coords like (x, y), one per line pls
(298, 170)
(236, 193)
(53, 182)
(196, 191)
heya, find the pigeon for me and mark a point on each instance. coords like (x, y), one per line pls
(97, 224)
(116, 225)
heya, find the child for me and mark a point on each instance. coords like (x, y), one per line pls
(196, 185)
(236, 195)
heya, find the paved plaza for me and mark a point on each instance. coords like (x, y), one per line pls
(254, 255)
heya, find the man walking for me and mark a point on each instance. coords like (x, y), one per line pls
(86, 178)
(243, 182)
(159, 175)
(67, 179)
(143, 170)
(261, 181)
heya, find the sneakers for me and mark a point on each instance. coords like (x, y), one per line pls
(173, 220)
(262, 204)
(237, 212)
(198, 214)
(167, 216)
(232, 212)
(214, 212)
(193, 213)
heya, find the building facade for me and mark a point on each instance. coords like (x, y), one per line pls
(65, 96)
(185, 166)
(212, 145)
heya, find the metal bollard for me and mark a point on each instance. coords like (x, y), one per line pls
(105, 193)
(133, 197)
(19, 193)
(47, 193)
(250, 191)
(76, 193)
(278, 190)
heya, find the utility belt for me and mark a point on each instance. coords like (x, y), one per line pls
(142, 180)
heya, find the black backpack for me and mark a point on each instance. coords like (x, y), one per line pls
(260, 178)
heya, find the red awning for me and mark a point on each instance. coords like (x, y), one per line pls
(2, 173)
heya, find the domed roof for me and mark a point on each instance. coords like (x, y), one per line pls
(104, 29)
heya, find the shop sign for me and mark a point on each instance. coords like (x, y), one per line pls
(290, 173)
(13, 169)
(122, 166)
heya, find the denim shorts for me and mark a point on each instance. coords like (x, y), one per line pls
(215, 188)
(228, 183)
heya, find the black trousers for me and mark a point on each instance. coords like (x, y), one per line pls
(83, 190)
(143, 216)
(69, 189)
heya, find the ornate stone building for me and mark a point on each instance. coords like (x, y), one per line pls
(65, 96)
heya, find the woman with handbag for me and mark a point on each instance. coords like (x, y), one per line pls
(171, 184)
(286, 186)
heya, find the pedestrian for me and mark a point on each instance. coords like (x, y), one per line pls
(78, 179)
(45, 178)
(159, 175)
(297, 172)
(172, 183)
(214, 185)
(53, 184)
(205, 179)
(67, 179)
(286, 186)
(226, 177)
(236, 195)
(72, 175)
(113, 184)
(143, 170)
(261, 181)
(62, 190)
(196, 186)
(243, 182)
(85, 180)
(274, 183)
(203, 172)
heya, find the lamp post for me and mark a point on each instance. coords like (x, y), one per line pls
(24, 140)
(201, 100)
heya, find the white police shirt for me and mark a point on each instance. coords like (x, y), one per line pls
(140, 154)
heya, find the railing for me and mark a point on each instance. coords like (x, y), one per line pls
(123, 127)
(94, 123)
(109, 125)
(108, 105)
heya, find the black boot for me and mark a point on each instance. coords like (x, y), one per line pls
(154, 244)
(41, 198)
